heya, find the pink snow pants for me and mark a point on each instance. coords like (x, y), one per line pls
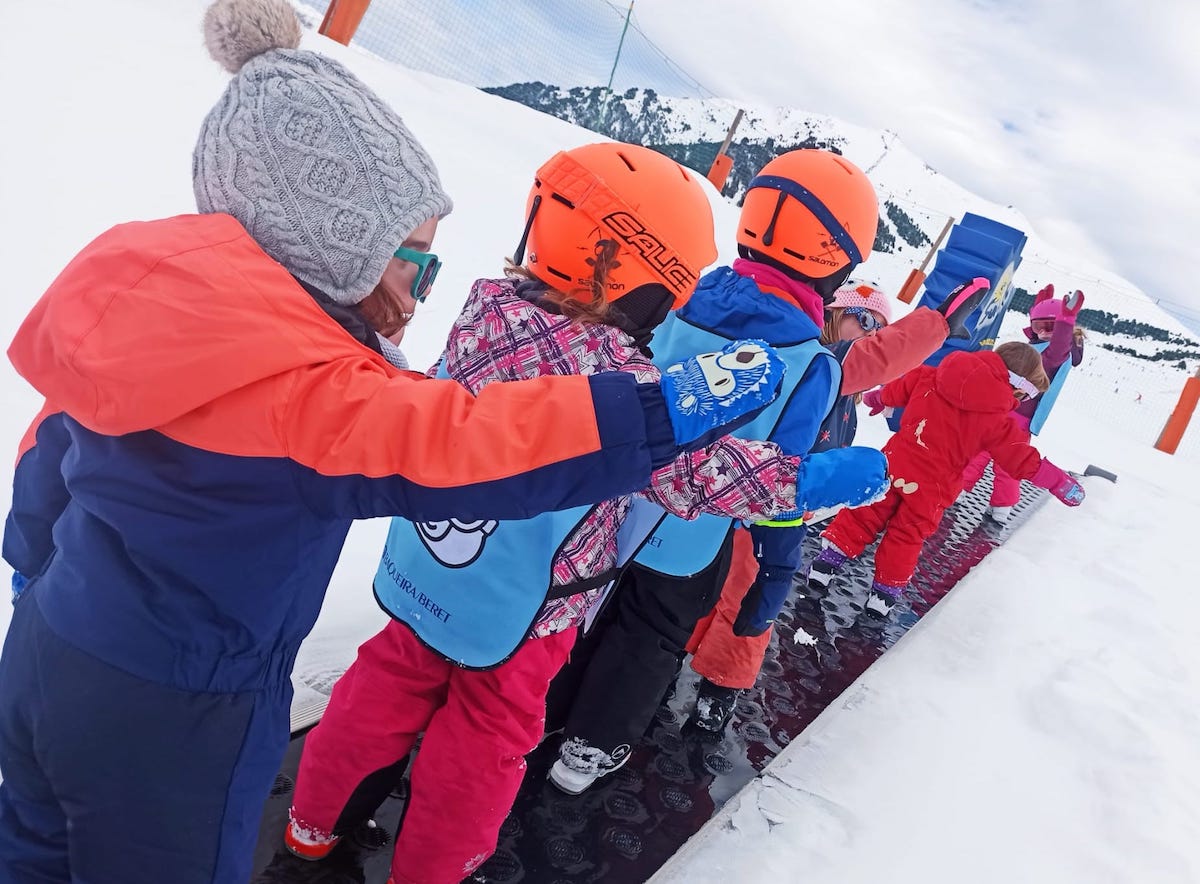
(478, 728)
(1006, 490)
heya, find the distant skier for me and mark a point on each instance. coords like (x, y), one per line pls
(485, 614)
(1052, 331)
(964, 404)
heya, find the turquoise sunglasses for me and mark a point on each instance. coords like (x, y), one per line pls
(428, 266)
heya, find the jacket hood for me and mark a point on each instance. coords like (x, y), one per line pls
(976, 381)
(155, 319)
(778, 283)
(727, 300)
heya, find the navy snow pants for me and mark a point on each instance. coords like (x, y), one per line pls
(112, 779)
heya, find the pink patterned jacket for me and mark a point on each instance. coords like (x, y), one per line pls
(500, 336)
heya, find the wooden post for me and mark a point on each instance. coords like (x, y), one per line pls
(915, 279)
(342, 19)
(718, 172)
(1177, 423)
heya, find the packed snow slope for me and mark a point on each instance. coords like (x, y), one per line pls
(1041, 724)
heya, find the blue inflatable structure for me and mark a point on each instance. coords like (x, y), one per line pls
(977, 246)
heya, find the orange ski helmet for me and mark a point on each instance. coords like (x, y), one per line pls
(645, 202)
(812, 211)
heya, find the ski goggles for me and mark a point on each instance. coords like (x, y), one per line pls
(1042, 325)
(428, 265)
(866, 319)
(1023, 388)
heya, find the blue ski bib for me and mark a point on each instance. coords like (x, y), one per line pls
(1046, 403)
(471, 591)
(681, 548)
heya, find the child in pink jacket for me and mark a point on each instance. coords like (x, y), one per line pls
(485, 612)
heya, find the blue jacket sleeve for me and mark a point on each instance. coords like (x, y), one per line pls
(39, 498)
(777, 551)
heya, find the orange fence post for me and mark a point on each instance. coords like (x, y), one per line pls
(916, 277)
(342, 19)
(718, 173)
(911, 286)
(1177, 423)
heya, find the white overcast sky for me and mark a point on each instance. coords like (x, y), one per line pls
(1082, 114)
(1085, 116)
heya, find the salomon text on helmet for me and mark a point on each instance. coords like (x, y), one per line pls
(644, 202)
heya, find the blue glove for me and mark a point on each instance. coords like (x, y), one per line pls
(778, 553)
(854, 476)
(712, 394)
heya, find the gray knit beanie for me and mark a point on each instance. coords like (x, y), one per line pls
(323, 174)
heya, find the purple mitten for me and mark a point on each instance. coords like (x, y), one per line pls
(1059, 483)
(873, 401)
(1072, 304)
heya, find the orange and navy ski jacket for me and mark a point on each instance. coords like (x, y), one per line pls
(210, 433)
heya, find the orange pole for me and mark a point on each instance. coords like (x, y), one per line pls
(718, 173)
(917, 277)
(328, 16)
(342, 19)
(911, 286)
(1177, 423)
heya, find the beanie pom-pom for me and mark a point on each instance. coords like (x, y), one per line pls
(236, 31)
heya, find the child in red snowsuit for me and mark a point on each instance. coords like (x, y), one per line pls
(951, 412)
(1052, 330)
(475, 683)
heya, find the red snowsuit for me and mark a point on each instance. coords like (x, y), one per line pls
(951, 413)
(1006, 490)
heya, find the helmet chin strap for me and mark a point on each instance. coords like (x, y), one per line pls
(519, 254)
(827, 286)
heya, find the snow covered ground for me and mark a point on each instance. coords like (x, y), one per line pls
(1041, 724)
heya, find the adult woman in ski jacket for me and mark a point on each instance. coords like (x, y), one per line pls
(219, 409)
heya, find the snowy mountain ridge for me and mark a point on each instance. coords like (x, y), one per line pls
(916, 200)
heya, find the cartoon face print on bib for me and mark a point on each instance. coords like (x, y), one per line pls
(456, 543)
